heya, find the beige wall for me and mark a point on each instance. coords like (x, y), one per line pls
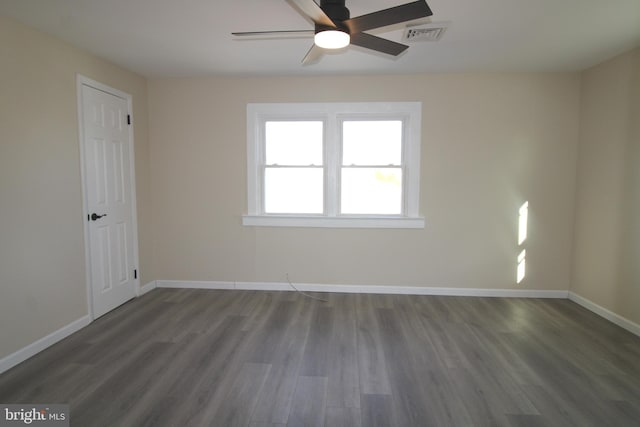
(606, 267)
(489, 143)
(42, 272)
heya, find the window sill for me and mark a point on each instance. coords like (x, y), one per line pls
(332, 222)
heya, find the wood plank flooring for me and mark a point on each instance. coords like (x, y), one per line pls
(188, 357)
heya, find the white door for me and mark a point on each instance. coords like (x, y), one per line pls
(109, 199)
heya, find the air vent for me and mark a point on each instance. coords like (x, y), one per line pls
(429, 32)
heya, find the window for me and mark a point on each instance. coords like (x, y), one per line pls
(371, 171)
(293, 167)
(334, 165)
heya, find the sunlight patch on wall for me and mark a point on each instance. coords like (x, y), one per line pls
(523, 217)
(523, 214)
(520, 271)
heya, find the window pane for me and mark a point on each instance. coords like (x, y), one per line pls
(371, 191)
(293, 143)
(293, 190)
(372, 143)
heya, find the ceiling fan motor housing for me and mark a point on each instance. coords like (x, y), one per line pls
(337, 11)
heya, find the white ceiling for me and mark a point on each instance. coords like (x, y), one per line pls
(192, 37)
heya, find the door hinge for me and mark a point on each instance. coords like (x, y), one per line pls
(135, 274)
(128, 119)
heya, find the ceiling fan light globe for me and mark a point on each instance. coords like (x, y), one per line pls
(332, 39)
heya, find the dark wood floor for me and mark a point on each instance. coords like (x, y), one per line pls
(240, 358)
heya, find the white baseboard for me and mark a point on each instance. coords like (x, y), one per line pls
(194, 284)
(147, 288)
(623, 322)
(368, 289)
(36, 347)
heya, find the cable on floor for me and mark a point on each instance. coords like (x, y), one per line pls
(304, 293)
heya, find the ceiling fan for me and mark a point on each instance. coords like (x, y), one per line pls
(334, 29)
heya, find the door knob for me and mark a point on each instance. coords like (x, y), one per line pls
(95, 216)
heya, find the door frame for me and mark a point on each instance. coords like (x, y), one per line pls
(85, 81)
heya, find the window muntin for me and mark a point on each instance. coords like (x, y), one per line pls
(363, 171)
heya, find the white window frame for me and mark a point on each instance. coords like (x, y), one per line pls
(332, 115)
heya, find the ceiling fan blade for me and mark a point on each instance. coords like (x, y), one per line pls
(378, 44)
(311, 10)
(313, 56)
(394, 15)
(274, 33)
